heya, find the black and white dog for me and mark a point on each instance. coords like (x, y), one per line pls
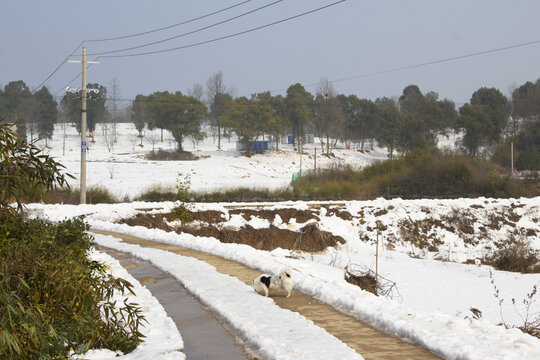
(264, 283)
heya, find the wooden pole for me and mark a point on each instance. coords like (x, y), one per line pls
(377, 262)
(83, 128)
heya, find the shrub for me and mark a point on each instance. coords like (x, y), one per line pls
(162, 155)
(182, 211)
(158, 193)
(24, 169)
(53, 298)
(94, 195)
(516, 255)
(420, 173)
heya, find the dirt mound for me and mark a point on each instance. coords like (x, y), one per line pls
(286, 215)
(150, 221)
(343, 214)
(310, 238)
(208, 216)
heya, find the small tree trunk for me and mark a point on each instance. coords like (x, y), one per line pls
(219, 136)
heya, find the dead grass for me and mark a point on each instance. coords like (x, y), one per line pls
(365, 281)
(419, 233)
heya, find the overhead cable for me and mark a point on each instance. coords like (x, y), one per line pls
(72, 80)
(226, 36)
(58, 68)
(189, 32)
(406, 67)
(171, 26)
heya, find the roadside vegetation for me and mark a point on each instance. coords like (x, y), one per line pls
(419, 174)
(53, 299)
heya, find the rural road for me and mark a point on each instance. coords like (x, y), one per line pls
(367, 341)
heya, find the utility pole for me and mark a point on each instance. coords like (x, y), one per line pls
(83, 91)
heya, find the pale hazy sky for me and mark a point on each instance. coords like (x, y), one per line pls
(352, 38)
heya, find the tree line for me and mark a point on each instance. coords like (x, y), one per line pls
(412, 120)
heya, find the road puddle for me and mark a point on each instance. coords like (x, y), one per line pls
(204, 336)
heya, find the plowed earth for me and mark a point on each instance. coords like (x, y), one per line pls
(209, 224)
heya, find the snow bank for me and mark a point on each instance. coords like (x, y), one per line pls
(274, 333)
(163, 341)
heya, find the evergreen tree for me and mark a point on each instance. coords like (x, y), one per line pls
(155, 116)
(17, 105)
(298, 102)
(526, 105)
(95, 107)
(138, 113)
(279, 117)
(250, 119)
(181, 115)
(496, 107)
(46, 113)
(359, 118)
(477, 126)
(388, 124)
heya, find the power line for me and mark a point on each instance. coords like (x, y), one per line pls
(396, 69)
(75, 78)
(58, 68)
(407, 67)
(133, 35)
(189, 32)
(171, 26)
(226, 36)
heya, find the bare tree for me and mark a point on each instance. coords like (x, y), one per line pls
(328, 114)
(152, 138)
(196, 91)
(113, 100)
(214, 88)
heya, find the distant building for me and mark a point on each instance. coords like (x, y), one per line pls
(258, 146)
(289, 139)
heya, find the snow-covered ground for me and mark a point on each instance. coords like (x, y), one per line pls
(163, 341)
(122, 169)
(431, 306)
(433, 297)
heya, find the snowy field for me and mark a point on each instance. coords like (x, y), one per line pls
(121, 167)
(435, 289)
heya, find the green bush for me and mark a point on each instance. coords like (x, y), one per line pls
(53, 298)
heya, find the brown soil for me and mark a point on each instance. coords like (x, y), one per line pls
(310, 238)
(286, 215)
(345, 215)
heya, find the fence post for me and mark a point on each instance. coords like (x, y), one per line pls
(377, 262)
